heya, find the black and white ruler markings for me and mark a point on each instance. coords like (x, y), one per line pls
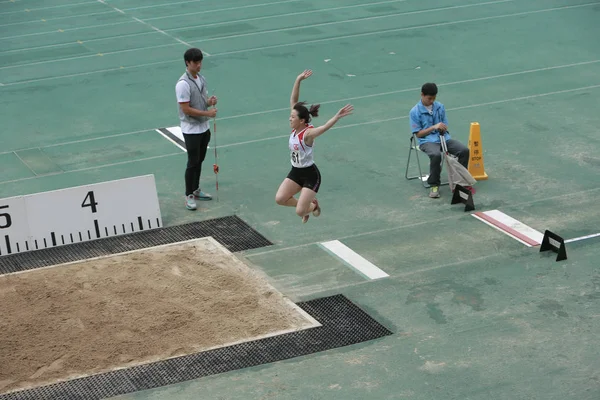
(78, 214)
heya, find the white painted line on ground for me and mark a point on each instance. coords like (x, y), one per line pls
(113, 7)
(354, 259)
(586, 192)
(358, 20)
(258, 48)
(282, 136)
(254, 33)
(92, 168)
(337, 22)
(346, 21)
(44, 8)
(78, 141)
(163, 32)
(491, 77)
(210, 11)
(135, 8)
(386, 31)
(273, 16)
(88, 73)
(55, 19)
(582, 238)
(511, 227)
(149, 25)
(393, 118)
(323, 10)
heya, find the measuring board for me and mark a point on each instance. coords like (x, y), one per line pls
(78, 214)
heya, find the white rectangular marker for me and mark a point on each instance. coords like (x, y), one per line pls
(511, 227)
(175, 130)
(174, 136)
(354, 259)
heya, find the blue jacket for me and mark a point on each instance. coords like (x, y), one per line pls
(421, 118)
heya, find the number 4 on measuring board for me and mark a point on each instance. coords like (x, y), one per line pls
(92, 202)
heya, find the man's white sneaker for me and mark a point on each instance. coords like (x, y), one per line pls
(190, 202)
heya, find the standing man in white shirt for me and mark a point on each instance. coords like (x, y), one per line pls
(194, 116)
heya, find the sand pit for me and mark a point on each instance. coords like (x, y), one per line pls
(98, 315)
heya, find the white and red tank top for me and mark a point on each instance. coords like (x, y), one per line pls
(301, 153)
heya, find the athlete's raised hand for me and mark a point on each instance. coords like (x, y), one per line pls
(304, 75)
(346, 110)
(296, 89)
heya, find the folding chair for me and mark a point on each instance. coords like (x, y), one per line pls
(414, 146)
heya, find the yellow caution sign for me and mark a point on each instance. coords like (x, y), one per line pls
(476, 168)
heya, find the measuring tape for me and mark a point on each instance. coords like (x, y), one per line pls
(78, 214)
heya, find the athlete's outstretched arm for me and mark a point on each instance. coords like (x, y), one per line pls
(313, 133)
(296, 88)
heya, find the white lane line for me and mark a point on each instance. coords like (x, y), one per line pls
(335, 127)
(582, 238)
(354, 259)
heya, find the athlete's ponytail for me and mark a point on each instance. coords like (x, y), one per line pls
(306, 114)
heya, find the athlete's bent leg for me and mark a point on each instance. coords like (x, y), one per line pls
(285, 193)
(306, 205)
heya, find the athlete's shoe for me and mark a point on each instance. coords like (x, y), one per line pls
(317, 211)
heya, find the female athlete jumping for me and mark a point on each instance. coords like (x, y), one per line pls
(304, 176)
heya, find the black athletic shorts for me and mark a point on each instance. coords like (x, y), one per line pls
(308, 177)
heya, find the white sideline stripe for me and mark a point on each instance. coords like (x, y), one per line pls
(42, 8)
(282, 136)
(582, 238)
(353, 259)
(338, 101)
(273, 30)
(364, 34)
(324, 10)
(208, 11)
(511, 223)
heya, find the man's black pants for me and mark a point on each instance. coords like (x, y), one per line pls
(196, 145)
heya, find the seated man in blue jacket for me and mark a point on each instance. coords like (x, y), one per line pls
(428, 121)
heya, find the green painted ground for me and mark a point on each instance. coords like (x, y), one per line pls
(476, 314)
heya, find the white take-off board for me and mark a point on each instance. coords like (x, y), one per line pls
(78, 214)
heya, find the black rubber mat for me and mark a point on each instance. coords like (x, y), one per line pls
(232, 232)
(343, 324)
